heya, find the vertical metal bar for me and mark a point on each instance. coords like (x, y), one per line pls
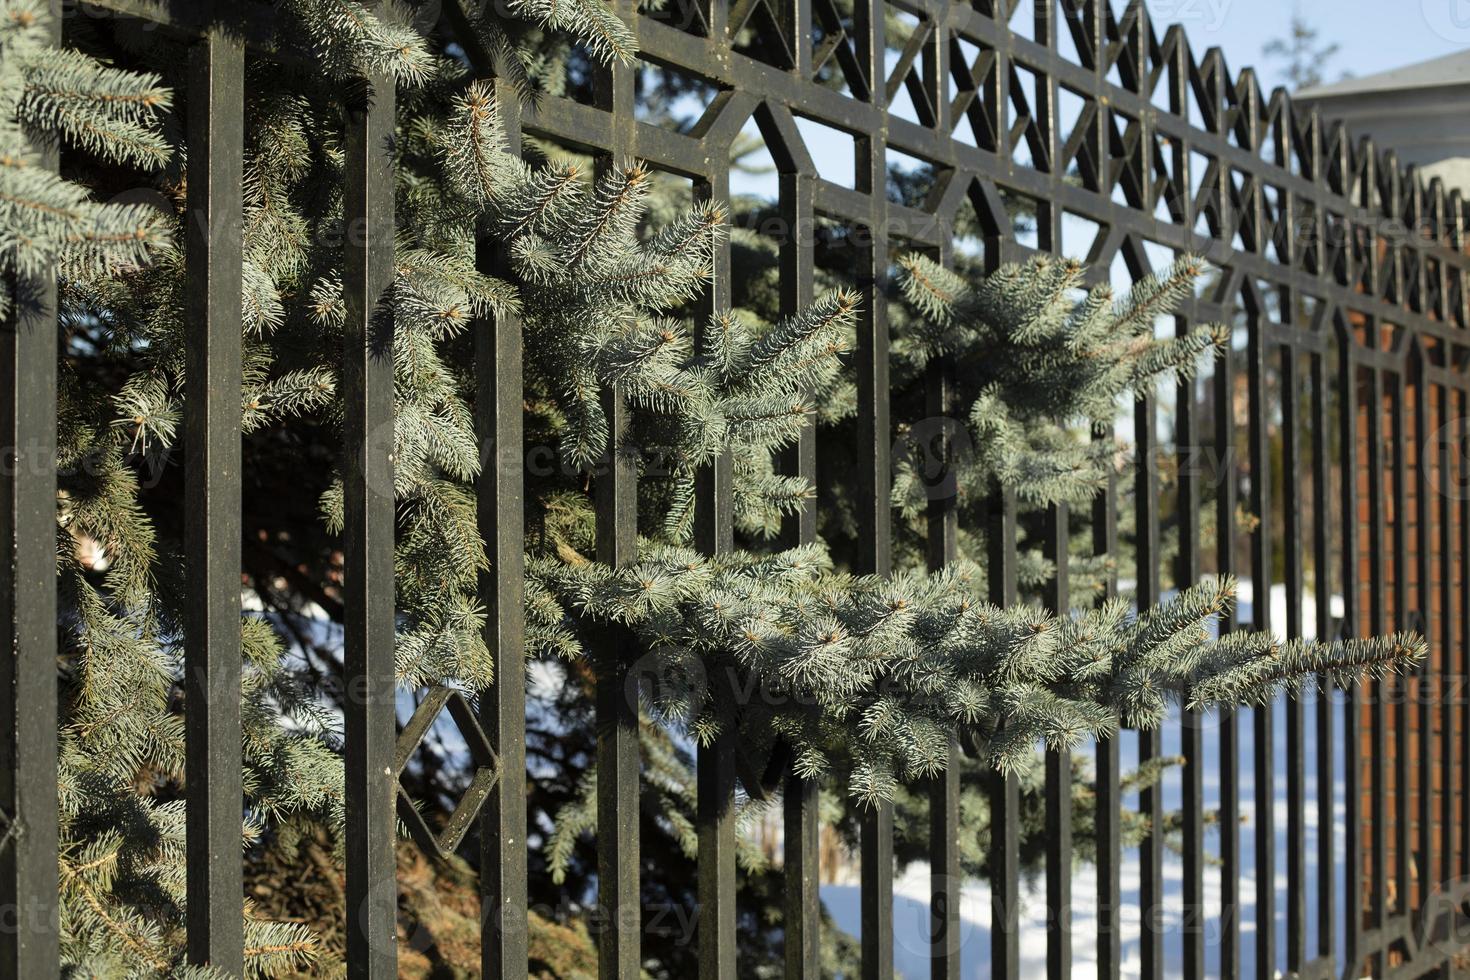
(1044, 24)
(1373, 270)
(212, 542)
(1429, 674)
(1326, 885)
(1296, 757)
(803, 897)
(500, 493)
(616, 505)
(794, 20)
(877, 892)
(877, 821)
(1402, 849)
(716, 884)
(1058, 763)
(1005, 792)
(1109, 797)
(1451, 681)
(1058, 779)
(715, 780)
(942, 540)
(717, 19)
(795, 259)
(800, 801)
(1150, 799)
(936, 69)
(1225, 502)
(1283, 230)
(1263, 728)
(944, 867)
(1451, 684)
(368, 524)
(1253, 238)
(871, 359)
(873, 453)
(1000, 545)
(29, 945)
(1462, 578)
(1094, 50)
(1378, 810)
(1186, 427)
(1352, 719)
(618, 761)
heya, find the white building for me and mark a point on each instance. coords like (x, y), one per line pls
(1421, 111)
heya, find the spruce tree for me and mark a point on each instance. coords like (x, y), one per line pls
(866, 678)
(1034, 362)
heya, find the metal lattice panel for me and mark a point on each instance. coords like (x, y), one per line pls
(1345, 273)
(486, 769)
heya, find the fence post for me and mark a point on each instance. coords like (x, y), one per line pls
(28, 813)
(942, 545)
(500, 512)
(1109, 796)
(715, 765)
(1150, 741)
(368, 526)
(1058, 804)
(1225, 503)
(1005, 788)
(800, 798)
(873, 453)
(1262, 720)
(616, 503)
(212, 470)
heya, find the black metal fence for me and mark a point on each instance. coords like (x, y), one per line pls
(1345, 274)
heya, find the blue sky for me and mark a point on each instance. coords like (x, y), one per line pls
(1375, 35)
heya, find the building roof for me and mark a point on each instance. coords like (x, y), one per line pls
(1451, 69)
